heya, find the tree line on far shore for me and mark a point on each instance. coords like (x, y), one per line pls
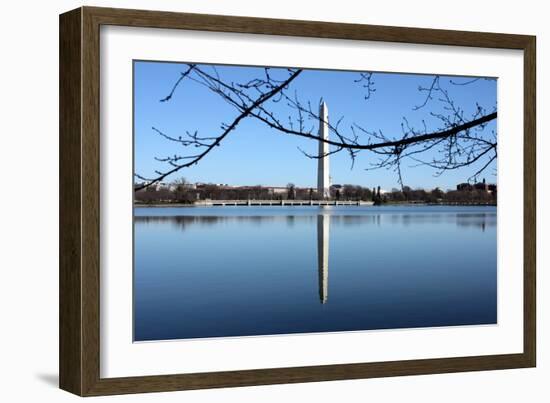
(182, 192)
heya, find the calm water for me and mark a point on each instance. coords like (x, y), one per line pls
(234, 271)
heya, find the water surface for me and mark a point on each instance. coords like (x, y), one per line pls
(237, 271)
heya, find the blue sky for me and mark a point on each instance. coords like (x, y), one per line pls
(254, 154)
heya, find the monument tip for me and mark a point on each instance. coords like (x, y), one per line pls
(322, 107)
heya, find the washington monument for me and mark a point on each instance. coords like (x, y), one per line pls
(323, 178)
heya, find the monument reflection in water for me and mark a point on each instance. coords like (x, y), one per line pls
(232, 271)
(323, 236)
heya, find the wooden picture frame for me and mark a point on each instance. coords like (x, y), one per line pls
(80, 187)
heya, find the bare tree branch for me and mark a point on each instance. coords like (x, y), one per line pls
(183, 75)
(227, 130)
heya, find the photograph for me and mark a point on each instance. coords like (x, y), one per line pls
(274, 200)
(288, 198)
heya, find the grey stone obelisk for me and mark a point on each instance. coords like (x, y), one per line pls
(323, 178)
(323, 235)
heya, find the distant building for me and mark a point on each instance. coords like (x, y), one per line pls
(483, 186)
(464, 187)
(277, 190)
(160, 186)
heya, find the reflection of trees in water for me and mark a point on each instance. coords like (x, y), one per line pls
(481, 220)
(353, 220)
(463, 220)
(290, 220)
(182, 222)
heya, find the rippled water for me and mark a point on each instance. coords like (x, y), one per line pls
(237, 271)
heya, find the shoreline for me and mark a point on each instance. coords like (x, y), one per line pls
(178, 205)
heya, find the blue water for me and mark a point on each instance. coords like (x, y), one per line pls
(237, 271)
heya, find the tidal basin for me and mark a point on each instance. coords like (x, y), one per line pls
(241, 271)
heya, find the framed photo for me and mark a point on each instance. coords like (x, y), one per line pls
(251, 201)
